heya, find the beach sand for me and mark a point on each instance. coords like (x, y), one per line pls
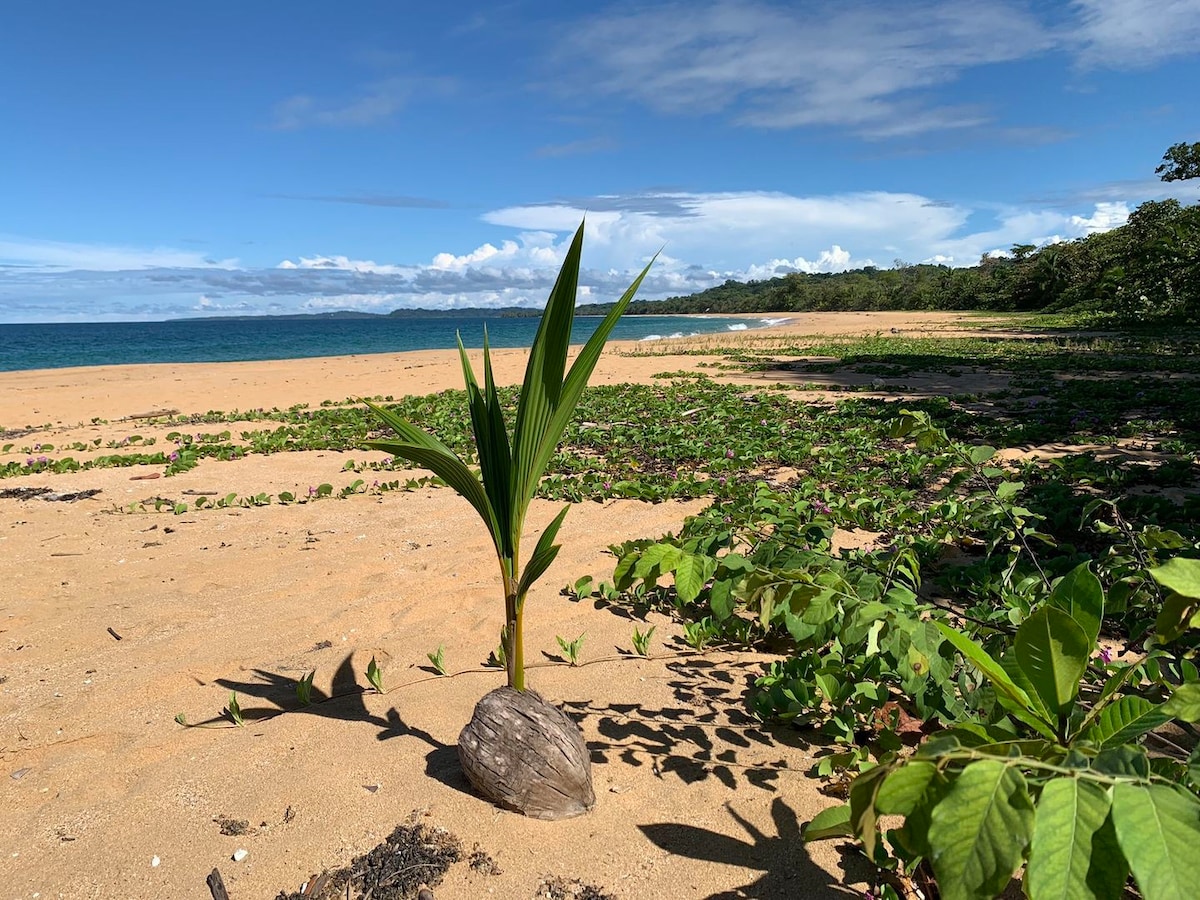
(112, 623)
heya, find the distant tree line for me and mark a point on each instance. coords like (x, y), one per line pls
(1145, 270)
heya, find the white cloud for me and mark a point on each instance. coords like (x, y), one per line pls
(866, 67)
(1135, 33)
(731, 230)
(877, 70)
(709, 238)
(370, 104)
(1106, 217)
(61, 255)
(343, 264)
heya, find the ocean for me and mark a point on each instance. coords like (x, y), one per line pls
(54, 346)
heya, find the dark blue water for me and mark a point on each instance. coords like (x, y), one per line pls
(53, 346)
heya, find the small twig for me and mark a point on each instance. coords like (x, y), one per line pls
(114, 634)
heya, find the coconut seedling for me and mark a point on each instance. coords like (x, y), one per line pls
(518, 750)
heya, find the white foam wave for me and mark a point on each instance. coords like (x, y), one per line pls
(737, 326)
(676, 334)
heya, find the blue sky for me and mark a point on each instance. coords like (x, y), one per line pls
(162, 160)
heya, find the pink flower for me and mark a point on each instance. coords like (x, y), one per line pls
(1105, 655)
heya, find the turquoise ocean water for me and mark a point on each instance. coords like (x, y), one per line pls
(52, 346)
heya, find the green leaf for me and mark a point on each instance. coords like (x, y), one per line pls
(1080, 595)
(1179, 575)
(1074, 853)
(980, 455)
(547, 399)
(1019, 701)
(491, 443)
(1158, 828)
(904, 788)
(1123, 761)
(1124, 720)
(1006, 489)
(831, 822)
(691, 574)
(1177, 615)
(656, 560)
(543, 554)
(978, 833)
(864, 820)
(721, 599)
(1184, 703)
(1053, 652)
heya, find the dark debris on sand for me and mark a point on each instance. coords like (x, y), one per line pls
(553, 887)
(412, 857)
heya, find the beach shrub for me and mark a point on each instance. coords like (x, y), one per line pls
(1055, 783)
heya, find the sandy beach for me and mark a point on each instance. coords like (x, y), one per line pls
(112, 623)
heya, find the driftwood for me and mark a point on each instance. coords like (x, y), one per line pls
(216, 886)
(527, 755)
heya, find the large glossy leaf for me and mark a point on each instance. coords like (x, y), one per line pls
(691, 574)
(1184, 703)
(864, 820)
(1080, 595)
(904, 787)
(1074, 853)
(1125, 719)
(1158, 828)
(833, 821)
(1019, 702)
(1053, 652)
(978, 833)
(1179, 575)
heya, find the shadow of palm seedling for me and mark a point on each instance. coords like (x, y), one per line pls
(787, 869)
(345, 702)
(708, 734)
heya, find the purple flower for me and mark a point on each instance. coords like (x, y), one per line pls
(30, 461)
(821, 508)
(722, 480)
(37, 447)
(729, 454)
(312, 491)
(608, 485)
(43, 459)
(1105, 655)
(174, 456)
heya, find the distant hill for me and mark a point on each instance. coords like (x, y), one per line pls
(505, 312)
